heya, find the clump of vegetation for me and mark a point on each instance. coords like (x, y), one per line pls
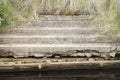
(112, 16)
(116, 18)
(11, 10)
(6, 13)
(23, 8)
(32, 8)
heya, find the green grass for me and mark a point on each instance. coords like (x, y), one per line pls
(6, 13)
(113, 17)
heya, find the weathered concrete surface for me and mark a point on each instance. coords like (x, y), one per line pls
(59, 23)
(24, 50)
(53, 31)
(59, 35)
(58, 39)
(64, 18)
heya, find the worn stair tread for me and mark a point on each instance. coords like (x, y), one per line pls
(85, 36)
(61, 45)
(64, 18)
(49, 36)
(46, 31)
(25, 50)
(57, 39)
(71, 23)
(53, 28)
(59, 17)
(27, 27)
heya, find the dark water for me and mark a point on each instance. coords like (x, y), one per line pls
(64, 75)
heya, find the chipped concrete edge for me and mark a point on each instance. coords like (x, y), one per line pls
(112, 64)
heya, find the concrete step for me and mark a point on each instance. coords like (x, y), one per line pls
(66, 70)
(52, 30)
(25, 50)
(57, 39)
(82, 23)
(27, 27)
(64, 18)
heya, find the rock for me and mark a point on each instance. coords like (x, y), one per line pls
(48, 55)
(96, 54)
(57, 57)
(18, 56)
(38, 55)
(106, 56)
(81, 54)
(74, 55)
(88, 55)
(112, 54)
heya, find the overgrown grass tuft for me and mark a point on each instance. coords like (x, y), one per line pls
(113, 17)
(32, 8)
(6, 13)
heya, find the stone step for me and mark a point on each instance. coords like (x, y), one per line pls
(66, 70)
(27, 27)
(57, 39)
(25, 50)
(52, 30)
(64, 18)
(83, 23)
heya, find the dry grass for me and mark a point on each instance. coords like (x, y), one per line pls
(33, 8)
(105, 9)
